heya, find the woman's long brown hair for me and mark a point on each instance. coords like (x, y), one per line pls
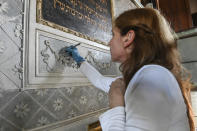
(154, 43)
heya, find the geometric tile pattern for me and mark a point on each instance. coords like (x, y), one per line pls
(38, 107)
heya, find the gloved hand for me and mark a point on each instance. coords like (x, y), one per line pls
(75, 54)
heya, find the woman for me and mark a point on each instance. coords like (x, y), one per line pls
(156, 85)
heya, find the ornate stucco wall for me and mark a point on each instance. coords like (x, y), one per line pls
(69, 107)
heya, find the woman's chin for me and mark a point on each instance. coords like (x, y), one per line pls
(115, 60)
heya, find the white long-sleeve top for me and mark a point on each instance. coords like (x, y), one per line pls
(153, 101)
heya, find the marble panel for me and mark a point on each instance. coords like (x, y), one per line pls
(12, 68)
(6, 84)
(6, 126)
(41, 95)
(6, 96)
(41, 118)
(58, 105)
(14, 31)
(7, 48)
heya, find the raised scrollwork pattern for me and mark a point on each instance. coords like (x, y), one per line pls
(60, 57)
(91, 58)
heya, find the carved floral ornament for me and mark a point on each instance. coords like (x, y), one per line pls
(18, 69)
(18, 31)
(58, 104)
(91, 58)
(21, 110)
(42, 121)
(67, 61)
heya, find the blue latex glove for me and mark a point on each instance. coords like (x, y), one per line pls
(75, 54)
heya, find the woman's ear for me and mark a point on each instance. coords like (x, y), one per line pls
(128, 38)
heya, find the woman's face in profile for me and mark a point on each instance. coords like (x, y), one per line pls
(116, 46)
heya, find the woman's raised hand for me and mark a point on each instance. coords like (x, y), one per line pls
(116, 93)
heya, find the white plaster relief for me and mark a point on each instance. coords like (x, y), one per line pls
(46, 56)
(93, 59)
(18, 69)
(66, 60)
(18, 31)
(3, 47)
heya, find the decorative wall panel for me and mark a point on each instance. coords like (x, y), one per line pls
(44, 65)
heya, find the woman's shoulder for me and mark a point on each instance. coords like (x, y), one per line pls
(153, 70)
(153, 67)
(153, 77)
(152, 74)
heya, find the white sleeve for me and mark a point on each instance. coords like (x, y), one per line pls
(97, 79)
(113, 119)
(149, 107)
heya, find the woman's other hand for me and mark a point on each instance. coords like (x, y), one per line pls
(116, 93)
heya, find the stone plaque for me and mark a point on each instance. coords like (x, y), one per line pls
(89, 19)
